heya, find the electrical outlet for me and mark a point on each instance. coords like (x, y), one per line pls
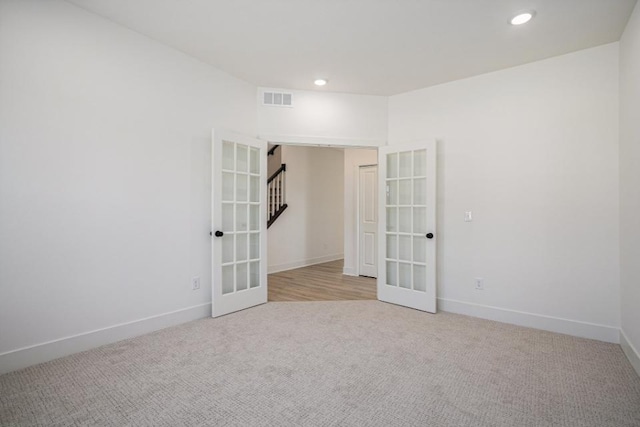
(468, 217)
(195, 283)
(479, 284)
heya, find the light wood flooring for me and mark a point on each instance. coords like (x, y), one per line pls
(320, 282)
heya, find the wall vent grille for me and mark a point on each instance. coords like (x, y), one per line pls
(277, 99)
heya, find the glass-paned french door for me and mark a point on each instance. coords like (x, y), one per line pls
(407, 186)
(239, 276)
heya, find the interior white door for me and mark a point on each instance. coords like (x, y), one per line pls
(407, 224)
(368, 221)
(239, 224)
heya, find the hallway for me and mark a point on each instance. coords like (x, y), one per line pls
(320, 282)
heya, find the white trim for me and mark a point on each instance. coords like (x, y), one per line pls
(304, 263)
(46, 351)
(630, 351)
(356, 174)
(538, 321)
(323, 141)
(347, 271)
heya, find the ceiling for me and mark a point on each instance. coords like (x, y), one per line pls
(377, 47)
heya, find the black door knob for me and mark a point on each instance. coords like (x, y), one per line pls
(429, 235)
(219, 233)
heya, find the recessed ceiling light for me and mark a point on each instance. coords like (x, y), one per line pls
(320, 82)
(522, 17)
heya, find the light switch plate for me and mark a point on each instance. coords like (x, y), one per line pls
(468, 217)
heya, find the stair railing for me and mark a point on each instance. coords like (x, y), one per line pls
(272, 150)
(276, 192)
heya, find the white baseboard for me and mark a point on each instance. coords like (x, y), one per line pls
(44, 352)
(303, 263)
(538, 321)
(630, 351)
(348, 271)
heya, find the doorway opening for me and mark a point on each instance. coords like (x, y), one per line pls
(406, 208)
(325, 243)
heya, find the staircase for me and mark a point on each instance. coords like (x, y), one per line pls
(276, 188)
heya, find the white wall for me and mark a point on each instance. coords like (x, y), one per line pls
(104, 178)
(353, 159)
(105, 182)
(630, 187)
(310, 231)
(532, 151)
(325, 118)
(274, 161)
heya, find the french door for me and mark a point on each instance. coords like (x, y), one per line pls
(239, 224)
(407, 223)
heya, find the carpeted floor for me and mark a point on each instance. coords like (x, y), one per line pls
(339, 363)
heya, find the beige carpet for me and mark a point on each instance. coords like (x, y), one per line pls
(347, 363)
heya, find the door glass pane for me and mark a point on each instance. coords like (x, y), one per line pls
(227, 217)
(254, 246)
(255, 189)
(227, 248)
(254, 214)
(241, 217)
(404, 192)
(227, 279)
(227, 186)
(241, 276)
(254, 274)
(241, 247)
(242, 161)
(420, 191)
(420, 278)
(420, 220)
(392, 192)
(392, 246)
(420, 163)
(420, 249)
(404, 170)
(404, 220)
(404, 275)
(392, 219)
(242, 187)
(392, 273)
(404, 248)
(392, 165)
(254, 160)
(227, 156)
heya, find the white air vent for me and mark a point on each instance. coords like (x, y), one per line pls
(277, 99)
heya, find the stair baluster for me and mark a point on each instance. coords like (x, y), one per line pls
(276, 192)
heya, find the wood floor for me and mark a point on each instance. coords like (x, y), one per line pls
(320, 282)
